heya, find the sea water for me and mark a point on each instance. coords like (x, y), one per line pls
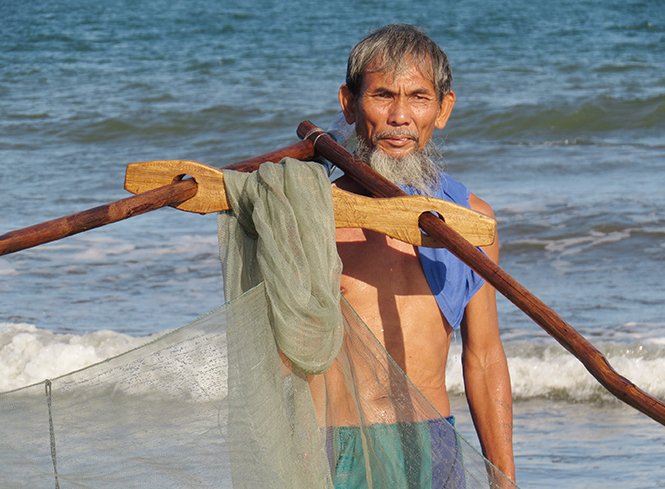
(559, 124)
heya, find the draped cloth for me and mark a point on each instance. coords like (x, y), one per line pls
(281, 230)
(451, 281)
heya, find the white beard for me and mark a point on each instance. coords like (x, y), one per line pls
(416, 169)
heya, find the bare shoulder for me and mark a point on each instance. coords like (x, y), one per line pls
(478, 204)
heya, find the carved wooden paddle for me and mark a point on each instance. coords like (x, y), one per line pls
(395, 217)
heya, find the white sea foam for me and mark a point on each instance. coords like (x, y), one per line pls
(552, 372)
(29, 355)
(577, 244)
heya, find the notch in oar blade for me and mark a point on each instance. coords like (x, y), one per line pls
(210, 195)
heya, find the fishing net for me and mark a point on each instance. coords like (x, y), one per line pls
(219, 403)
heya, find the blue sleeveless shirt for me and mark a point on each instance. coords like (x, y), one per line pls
(453, 284)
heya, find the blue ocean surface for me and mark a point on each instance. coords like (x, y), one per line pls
(559, 124)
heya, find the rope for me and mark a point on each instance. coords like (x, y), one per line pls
(47, 385)
(314, 131)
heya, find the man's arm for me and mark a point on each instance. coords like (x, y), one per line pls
(486, 377)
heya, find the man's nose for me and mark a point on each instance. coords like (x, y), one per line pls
(400, 112)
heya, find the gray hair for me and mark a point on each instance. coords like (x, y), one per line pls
(390, 48)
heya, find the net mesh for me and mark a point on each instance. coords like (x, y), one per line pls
(218, 403)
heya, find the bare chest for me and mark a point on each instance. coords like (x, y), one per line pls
(384, 282)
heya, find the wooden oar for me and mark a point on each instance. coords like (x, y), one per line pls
(394, 217)
(169, 195)
(537, 310)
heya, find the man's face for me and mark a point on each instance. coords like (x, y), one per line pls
(396, 114)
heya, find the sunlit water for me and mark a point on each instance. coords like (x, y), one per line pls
(559, 125)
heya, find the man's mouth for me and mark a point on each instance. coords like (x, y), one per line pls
(396, 138)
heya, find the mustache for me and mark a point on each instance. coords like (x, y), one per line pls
(390, 133)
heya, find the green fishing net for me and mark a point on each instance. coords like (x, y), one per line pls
(256, 394)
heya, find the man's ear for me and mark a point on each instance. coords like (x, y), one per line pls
(445, 110)
(347, 101)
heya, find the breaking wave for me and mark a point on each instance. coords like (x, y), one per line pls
(546, 370)
(29, 355)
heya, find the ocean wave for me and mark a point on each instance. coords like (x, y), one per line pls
(551, 372)
(567, 245)
(577, 122)
(162, 123)
(29, 355)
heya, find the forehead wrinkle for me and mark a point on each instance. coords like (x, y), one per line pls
(382, 64)
(388, 86)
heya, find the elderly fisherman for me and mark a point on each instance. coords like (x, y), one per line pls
(397, 92)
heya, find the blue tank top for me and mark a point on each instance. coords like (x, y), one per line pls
(453, 284)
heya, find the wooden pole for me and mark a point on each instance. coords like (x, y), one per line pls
(99, 216)
(173, 194)
(537, 310)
